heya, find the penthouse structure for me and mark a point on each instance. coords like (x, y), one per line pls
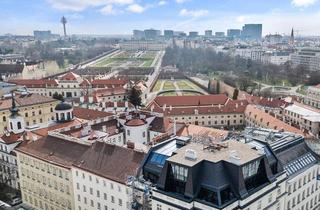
(296, 159)
(184, 176)
(266, 170)
(206, 110)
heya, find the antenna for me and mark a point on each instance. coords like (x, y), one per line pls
(64, 22)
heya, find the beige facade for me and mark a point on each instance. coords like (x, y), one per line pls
(33, 114)
(313, 97)
(45, 185)
(212, 120)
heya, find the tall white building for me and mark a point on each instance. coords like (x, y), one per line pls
(310, 58)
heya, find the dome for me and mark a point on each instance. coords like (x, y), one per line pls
(63, 106)
(135, 122)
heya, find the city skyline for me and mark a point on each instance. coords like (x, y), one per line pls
(122, 16)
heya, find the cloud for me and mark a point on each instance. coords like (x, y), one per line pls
(108, 10)
(242, 18)
(193, 13)
(136, 8)
(160, 3)
(181, 1)
(303, 3)
(80, 5)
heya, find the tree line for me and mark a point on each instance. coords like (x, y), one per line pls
(207, 61)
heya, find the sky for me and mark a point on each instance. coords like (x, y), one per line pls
(103, 17)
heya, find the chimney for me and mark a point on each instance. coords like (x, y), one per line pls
(164, 107)
(152, 108)
(219, 106)
(104, 128)
(90, 99)
(115, 104)
(174, 127)
(126, 104)
(237, 105)
(170, 108)
(130, 145)
(241, 103)
(81, 99)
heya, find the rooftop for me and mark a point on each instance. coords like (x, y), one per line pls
(230, 151)
(89, 114)
(110, 161)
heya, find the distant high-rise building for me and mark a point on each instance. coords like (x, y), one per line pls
(220, 34)
(233, 33)
(252, 31)
(42, 35)
(138, 34)
(151, 34)
(208, 33)
(179, 33)
(64, 22)
(193, 34)
(168, 34)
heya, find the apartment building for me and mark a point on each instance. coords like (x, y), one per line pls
(101, 177)
(303, 117)
(264, 169)
(299, 162)
(69, 85)
(309, 58)
(243, 177)
(257, 117)
(313, 96)
(45, 172)
(207, 110)
(36, 109)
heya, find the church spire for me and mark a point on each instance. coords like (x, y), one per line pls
(14, 109)
(292, 37)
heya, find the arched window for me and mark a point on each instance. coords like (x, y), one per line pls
(19, 125)
(4, 118)
(68, 116)
(11, 126)
(57, 116)
(62, 117)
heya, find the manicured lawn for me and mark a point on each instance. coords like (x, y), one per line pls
(168, 85)
(156, 88)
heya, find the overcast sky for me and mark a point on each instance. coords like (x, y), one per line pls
(122, 16)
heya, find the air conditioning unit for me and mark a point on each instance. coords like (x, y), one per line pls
(190, 154)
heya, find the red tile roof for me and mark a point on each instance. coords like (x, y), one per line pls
(135, 122)
(44, 131)
(89, 114)
(267, 121)
(266, 102)
(54, 150)
(85, 83)
(34, 83)
(109, 91)
(111, 161)
(231, 106)
(26, 100)
(11, 138)
(69, 76)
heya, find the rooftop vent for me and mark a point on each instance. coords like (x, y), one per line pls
(234, 156)
(190, 154)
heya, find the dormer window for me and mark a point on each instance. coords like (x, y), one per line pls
(179, 172)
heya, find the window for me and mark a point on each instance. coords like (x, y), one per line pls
(105, 196)
(180, 172)
(4, 118)
(250, 169)
(98, 193)
(112, 199)
(159, 207)
(120, 202)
